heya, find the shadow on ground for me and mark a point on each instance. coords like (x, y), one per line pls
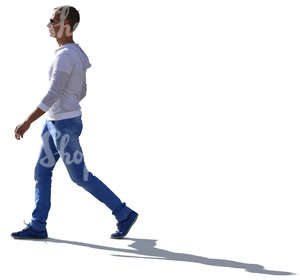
(145, 248)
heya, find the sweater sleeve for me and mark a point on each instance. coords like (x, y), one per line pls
(62, 69)
(58, 83)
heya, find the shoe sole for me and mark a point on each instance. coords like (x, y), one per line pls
(120, 237)
(29, 238)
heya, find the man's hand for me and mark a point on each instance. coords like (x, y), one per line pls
(21, 129)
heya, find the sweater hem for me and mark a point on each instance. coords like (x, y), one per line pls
(62, 116)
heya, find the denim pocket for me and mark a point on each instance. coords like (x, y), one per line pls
(69, 126)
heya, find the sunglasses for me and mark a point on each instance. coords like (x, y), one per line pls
(52, 21)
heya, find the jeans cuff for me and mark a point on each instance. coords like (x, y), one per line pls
(37, 226)
(121, 212)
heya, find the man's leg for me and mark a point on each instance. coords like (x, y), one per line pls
(43, 176)
(67, 143)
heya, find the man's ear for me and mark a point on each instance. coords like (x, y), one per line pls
(66, 22)
(68, 28)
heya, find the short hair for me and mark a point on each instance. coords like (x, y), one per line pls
(69, 13)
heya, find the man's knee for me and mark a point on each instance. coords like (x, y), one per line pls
(80, 178)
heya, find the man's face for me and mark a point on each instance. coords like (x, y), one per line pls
(56, 25)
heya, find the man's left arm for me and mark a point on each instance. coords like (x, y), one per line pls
(62, 69)
(58, 84)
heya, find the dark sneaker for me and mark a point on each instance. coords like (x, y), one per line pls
(30, 233)
(125, 225)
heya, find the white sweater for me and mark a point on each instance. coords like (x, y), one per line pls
(67, 76)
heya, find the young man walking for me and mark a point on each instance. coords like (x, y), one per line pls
(61, 131)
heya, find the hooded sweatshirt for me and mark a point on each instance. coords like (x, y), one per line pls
(67, 76)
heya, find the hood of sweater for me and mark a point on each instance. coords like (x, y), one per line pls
(75, 47)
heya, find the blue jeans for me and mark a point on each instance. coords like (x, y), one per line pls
(61, 139)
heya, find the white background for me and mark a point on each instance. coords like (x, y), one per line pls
(191, 117)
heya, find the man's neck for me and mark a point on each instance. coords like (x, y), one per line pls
(62, 42)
